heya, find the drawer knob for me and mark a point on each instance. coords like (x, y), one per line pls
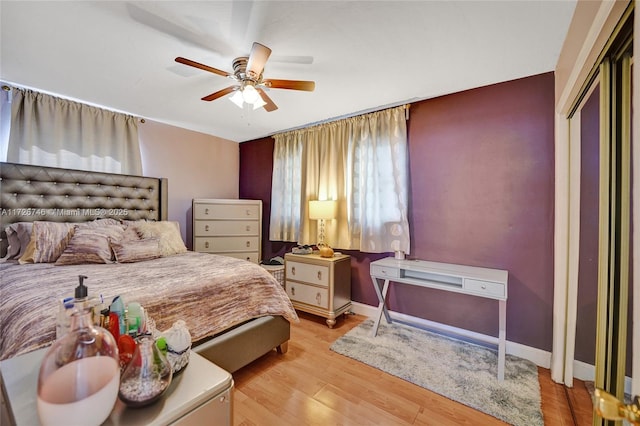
(248, 243)
(319, 275)
(293, 270)
(206, 228)
(248, 212)
(483, 286)
(206, 244)
(319, 298)
(206, 211)
(249, 258)
(248, 227)
(293, 291)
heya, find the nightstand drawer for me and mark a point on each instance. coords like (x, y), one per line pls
(226, 211)
(208, 228)
(226, 244)
(314, 296)
(485, 288)
(312, 274)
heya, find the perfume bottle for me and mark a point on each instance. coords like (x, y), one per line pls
(79, 375)
(147, 376)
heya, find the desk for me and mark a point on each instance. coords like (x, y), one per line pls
(201, 394)
(474, 281)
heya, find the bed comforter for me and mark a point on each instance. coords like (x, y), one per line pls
(210, 293)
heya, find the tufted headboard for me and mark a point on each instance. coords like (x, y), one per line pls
(29, 193)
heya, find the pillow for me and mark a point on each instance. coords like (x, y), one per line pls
(130, 232)
(101, 222)
(129, 251)
(48, 241)
(18, 237)
(169, 234)
(90, 244)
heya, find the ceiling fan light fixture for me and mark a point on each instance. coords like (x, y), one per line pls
(237, 98)
(259, 103)
(250, 94)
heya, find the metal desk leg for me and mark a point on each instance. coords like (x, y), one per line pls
(502, 338)
(381, 305)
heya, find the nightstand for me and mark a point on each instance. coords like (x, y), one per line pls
(201, 394)
(319, 285)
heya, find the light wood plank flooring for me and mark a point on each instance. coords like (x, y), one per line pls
(311, 385)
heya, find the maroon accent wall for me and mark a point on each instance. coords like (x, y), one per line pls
(482, 188)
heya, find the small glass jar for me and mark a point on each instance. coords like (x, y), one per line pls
(147, 376)
(80, 375)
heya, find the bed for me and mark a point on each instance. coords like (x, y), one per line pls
(235, 310)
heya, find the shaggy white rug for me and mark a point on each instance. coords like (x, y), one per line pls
(458, 370)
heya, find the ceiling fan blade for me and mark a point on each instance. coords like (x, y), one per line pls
(257, 60)
(220, 93)
(155, 16)
(270, 105)
(308, 86)
(204, 67)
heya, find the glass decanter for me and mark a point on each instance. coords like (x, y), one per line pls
(79, 375)
(147, 376)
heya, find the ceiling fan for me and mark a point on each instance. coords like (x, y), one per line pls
(247, 72)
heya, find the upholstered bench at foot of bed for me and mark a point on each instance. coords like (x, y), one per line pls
(241, 345)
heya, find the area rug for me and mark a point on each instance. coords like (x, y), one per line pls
(458, 370)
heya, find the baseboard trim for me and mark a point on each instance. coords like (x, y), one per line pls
(537, 356)
(587, 372)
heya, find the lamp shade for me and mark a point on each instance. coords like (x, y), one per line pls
(323, 209)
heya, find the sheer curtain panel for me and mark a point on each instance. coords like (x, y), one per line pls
(50, 131)
(286, 187)
(361, 162)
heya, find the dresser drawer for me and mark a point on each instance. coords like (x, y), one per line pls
(314, 296)
(312, 274)
(226, 244)
(251, 256)
(485, 288)
(384, 271)
(226, 211)
(208, 228)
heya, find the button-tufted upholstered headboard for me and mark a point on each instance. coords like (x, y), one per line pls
(29, 193)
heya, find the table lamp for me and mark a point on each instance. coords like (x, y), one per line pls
(322, 210)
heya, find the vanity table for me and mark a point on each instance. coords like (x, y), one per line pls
(470, 280)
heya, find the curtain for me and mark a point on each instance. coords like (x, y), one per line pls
(50, 131)
(286, 188)
(361, 162)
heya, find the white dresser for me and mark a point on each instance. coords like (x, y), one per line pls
(319, 285)
(228, 227)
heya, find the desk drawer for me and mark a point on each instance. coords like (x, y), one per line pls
(308, 273)
(385, 271)
(485, 288)
(310, 295)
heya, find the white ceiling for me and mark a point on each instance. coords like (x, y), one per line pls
(366, 54)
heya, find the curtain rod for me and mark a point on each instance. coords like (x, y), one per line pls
(355, 114)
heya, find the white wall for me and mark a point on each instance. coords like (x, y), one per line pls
(197, 166)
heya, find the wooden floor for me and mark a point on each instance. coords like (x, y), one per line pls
(311, 385)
